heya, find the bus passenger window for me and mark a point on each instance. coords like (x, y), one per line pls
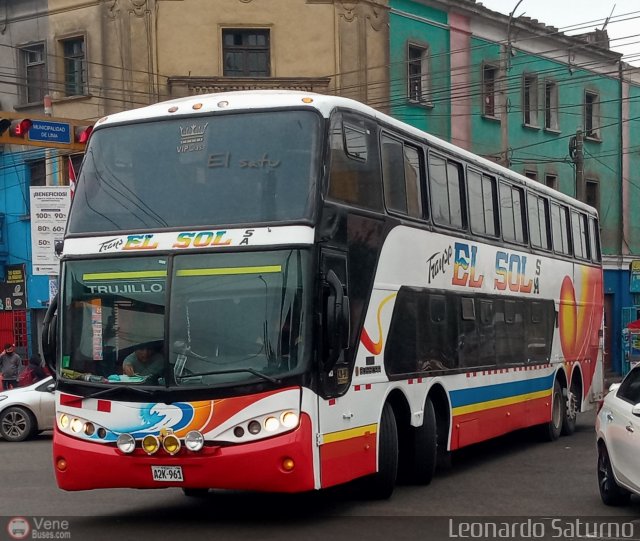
(538, 221)
(579, 231)
(446, 192)
(355, 171)
(512, 213)
(401, 174)
(482, 203)
(560, 227)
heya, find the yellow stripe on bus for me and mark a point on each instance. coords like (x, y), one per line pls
(124, 275)
(229, 270)
(489, 404)
(341, 435)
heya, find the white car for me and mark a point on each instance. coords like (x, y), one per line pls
(618, 440)
(25, 411)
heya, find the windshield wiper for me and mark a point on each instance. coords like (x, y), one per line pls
(115, 388)
(231, 371)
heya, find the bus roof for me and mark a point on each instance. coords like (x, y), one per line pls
(325, 104)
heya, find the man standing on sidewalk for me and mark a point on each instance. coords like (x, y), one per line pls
(10, 365)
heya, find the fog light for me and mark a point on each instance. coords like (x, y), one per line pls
(289, 419)
(61, 464)
(150, 444)
(171, 444)
(76, 425)
(64, 421)
(271, 424)
(126, 443)
(288, 464)
(238, 431)
(89, 429)
(254, 427)
(194, 440)
(102, 433)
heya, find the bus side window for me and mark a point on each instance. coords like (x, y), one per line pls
(512, 213)
(594, 235)
(560, 228)
(446, 188)
(355, 172)
(401, 175)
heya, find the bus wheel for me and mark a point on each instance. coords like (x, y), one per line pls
(551, 430)
(195, 492)
(380, 485)
(571, 408)
(425, 446)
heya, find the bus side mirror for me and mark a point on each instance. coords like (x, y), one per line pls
(50, 336)
(337, 321)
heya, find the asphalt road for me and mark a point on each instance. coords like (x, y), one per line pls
(513, 479)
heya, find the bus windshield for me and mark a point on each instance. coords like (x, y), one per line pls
(233, 318)
(247, 168)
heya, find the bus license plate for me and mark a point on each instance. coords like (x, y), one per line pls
(167, 473)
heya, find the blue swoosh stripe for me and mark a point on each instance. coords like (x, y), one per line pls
(465, 397)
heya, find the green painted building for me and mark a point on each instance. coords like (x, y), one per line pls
(529, 97)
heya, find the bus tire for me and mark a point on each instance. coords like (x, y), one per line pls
(551, 431)
(380, 485)
(425, 446)
(571, 409)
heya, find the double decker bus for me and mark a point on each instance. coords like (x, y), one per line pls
(320, 292)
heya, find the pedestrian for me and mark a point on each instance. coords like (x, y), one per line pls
(10, 365)
(32, 373)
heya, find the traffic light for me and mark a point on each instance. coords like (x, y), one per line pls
(82, 134)
(16, 128)
(21, 127)
(44, 131)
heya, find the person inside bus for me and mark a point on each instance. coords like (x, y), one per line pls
(144, 361)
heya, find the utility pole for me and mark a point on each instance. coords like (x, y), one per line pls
(576, 151)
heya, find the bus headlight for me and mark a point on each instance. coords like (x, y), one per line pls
(76, 425)
(194, 441)
(126, 443)
(289, 419)
(150, 444)
(271, 424)
(64, 421)
(171, 444)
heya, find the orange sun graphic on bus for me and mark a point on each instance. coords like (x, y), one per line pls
(580, 318)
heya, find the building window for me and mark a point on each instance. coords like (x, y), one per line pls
(246, 53)
(533, 175)
(551, 181)
(35, 73)
(489, 90)
(37, 173)
(592, 193)
(530, 100)
(592, 115)
(550, 105)
(418, 74)
(75, 67)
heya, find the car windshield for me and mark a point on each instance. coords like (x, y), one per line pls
(257, 167)
(232, 318)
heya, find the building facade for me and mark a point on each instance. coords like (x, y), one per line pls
(560, 109)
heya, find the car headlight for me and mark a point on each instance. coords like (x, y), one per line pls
(3, 397)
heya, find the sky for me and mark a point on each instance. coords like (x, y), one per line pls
(580, 16)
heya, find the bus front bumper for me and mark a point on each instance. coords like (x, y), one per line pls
(263, 465)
